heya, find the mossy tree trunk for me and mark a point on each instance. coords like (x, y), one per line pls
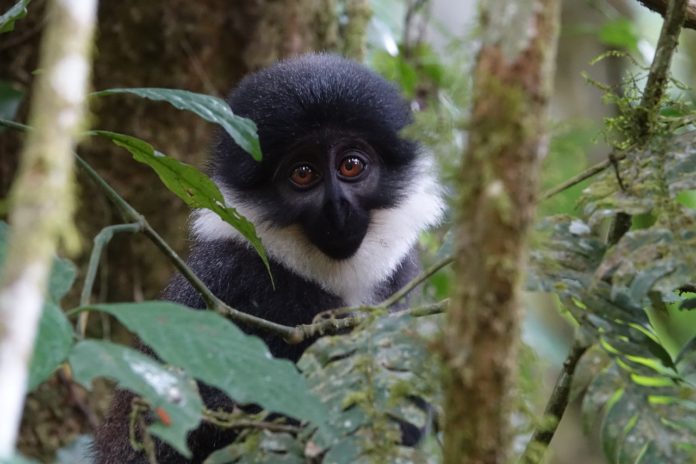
(498, 177)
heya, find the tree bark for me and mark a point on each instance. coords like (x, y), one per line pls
(41, 200)
(507, 140)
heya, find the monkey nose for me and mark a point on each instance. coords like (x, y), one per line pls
(338, 212)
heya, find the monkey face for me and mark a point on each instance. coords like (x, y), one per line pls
(327, 184)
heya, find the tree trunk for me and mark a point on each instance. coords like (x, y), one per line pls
(498, 177)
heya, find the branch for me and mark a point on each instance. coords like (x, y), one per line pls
(41, 199)
(291, 334)
(660, 6)
(556, 406)
(658, 76)
(586, 174)
(335, 325)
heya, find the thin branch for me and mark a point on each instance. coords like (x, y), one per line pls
(335, 325)
(291, 334)
(232, 421)
(419, 279)
(658, 76)
(100, 241)
(556, 406)
(660, 6)
(573, 181)
(130, 214)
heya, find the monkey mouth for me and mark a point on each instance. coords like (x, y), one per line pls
(341, 245)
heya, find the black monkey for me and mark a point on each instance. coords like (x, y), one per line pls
(338, 200)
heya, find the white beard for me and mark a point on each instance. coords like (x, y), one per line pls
(390, 236)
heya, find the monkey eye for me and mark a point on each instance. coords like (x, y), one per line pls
(303, 175)
(351, 167)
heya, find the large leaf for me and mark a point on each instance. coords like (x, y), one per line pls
(53, 342)
(371, 380)
(212, 109)
(164, 388)
(658, 258)
(189, 184)
(17, 11)
(642, 387)
(641, 424)
(650, 178)
(215, 351)
(55, 334)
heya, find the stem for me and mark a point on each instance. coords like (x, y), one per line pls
(659, 69)
(556, 406)
(586, 174)
(419, 279)
(100, 241)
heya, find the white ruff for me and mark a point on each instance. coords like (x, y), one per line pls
(390, 236)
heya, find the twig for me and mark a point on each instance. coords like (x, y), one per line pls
(211, 301)
(100, 241)
(232, 421)
(556, 406)
(306, 331)
(660, 6)
(419, 279)
(573, 181)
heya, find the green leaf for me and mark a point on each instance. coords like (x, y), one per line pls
(55, 334)
(210, 108)
(270, 448)
(367, 379)
(17, 459)
(164, 388)
(646, 425)
(53, 343)
(215, 351)
(195, 188)
(17, 11)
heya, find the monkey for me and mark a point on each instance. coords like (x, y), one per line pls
(339, 200)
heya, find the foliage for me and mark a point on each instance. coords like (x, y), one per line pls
(8, 18)
(212, 109)
(644, 385)
(55, 333)
(188, 183)
(373, 381)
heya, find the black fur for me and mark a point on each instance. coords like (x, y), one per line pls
(235, 274)
(312, 101)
